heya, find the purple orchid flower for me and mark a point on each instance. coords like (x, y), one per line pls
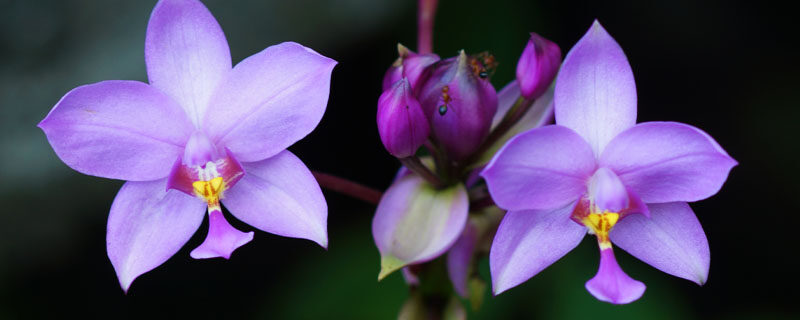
(200, 132)
(592, 171)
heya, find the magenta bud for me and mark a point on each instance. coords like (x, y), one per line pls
(408, 65)
(459, 102)
(401, 123)
(537, 67)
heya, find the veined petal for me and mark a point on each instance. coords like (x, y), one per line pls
(543, 168)
(595, 91)
(117, 129)
(147, 225)
(459, 259)
(415, 222)
(671, 240)
(186, 54)
(529, 241)
(280, 195)
(611, 284)
(269, 101)
(668, 161)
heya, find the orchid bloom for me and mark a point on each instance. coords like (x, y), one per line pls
(199, 135)
(594, 170)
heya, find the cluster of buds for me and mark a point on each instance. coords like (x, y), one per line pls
(452, 105)
(443, 119)
(486, 175)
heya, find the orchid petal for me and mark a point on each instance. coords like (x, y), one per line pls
(635, 205)
(148, 225)
(459, 259)
(539, 114)
(529, 241)
(222, 238)
(415, 222)
(544, 168)
(668, 161)
(611, 284)
(186, 54)
(595, 91)
(280, 195)
(269, 101)
(117, 129)
(606, 192)
(671, 240)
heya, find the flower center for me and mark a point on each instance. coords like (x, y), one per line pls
(205, 171)
(210, 191)
(600, 224)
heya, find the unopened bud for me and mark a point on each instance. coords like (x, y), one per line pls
(538, 66)
(401, 123)
(459, 102)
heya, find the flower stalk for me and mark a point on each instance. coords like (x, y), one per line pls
(347, 187)
(425, 16)
(414, 164)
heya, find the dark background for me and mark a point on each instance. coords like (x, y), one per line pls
(726, 67)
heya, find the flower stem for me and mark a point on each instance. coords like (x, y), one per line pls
(415, 165)
(425, 15)
(511, 117)
(347, 187)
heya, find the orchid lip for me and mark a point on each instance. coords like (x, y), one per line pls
(207, 181)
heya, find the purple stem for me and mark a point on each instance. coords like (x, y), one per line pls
(348, 187)
(415, 165)
(425, 15)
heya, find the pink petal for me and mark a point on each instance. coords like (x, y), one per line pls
(595, 92)
(409, 276)
(222, 238)
(147, 225)
(117, 129)
(668, 161)
(269, 101)
(671, 240)
(459, 259)
(611, 284)
(543, 168)
(280, 195)
(529, 241)
(538, 115)
(186, 54)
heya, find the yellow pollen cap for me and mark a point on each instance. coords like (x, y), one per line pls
(601, 223)
(209, 190)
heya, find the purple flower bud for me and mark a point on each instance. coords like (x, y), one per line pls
(401, 123)
(459, 102)
(409, 65)
(538, 65)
